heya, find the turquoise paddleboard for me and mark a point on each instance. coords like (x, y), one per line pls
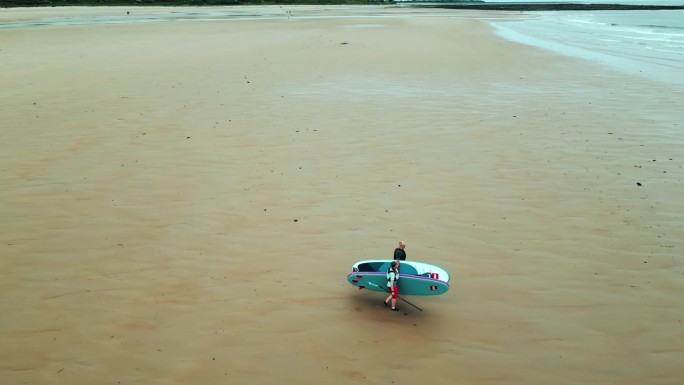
(421, 269)
(372, 275)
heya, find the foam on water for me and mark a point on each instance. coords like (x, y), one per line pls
(647, 43)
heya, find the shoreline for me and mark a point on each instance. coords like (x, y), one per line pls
(492, 6)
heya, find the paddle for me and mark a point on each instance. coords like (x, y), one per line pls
(386, 290)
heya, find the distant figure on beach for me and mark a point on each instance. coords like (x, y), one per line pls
(399, 253)
(392, 280)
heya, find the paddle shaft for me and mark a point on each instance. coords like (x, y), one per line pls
(388, 291)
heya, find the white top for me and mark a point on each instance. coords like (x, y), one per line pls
(391, 277)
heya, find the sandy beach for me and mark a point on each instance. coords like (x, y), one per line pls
(181, 202)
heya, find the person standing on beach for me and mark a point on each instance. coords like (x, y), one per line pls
(399, 253)
(392, 280)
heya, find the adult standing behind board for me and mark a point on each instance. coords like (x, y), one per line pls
(399, 253)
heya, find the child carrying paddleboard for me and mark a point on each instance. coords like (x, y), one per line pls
(392, 280)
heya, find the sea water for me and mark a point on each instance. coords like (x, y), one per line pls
(648, 43)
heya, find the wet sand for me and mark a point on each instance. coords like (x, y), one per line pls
(182, 201)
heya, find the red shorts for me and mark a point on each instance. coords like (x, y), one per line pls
(395, 291)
